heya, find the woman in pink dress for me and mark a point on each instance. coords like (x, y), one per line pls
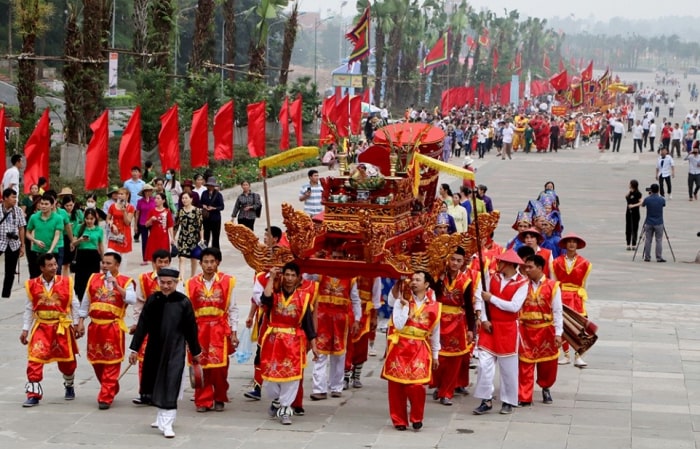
(119, 217)
(160, 223)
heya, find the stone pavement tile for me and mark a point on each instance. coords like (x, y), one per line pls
(655, 376)
(656, 407)
(268, 438)
(603, 405)
(594, 439)
(340, 440)
(621, 419)
(688, 332)
(687, 344)
(666, 385)
(481, 440)
(639, 442)
(660, 397)
(539, 413)
(389, 437)
(604, 388)
(661, 425)
(597, 397)
(690, 356)
(536, 435)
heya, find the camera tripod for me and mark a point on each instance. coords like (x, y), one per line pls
(640, 241)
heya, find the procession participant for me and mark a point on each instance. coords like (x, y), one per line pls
(413, 348)
(523, 222)
(541, 327)
(532, 238)
(498, 336)
(51, 312)
(337, 306)
(454, 293)
(147, 285)
(215, 309)
(168, 320)
(572, 270)
(551, 238)
(370, 291)
(106, 298)
(290, 329)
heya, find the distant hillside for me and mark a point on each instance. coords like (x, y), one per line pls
(684, 26)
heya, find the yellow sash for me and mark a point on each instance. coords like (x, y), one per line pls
(63, 320)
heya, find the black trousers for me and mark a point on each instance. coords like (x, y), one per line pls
(693, 181)
(212, 229)
(632, 226)
(676, 145)
(247, 222)
(637, 142)
(645, 136)
(617, 139)
(11, 258)
(661, 184)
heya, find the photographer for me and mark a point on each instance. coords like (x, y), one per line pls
(12, 224)
(654, 222)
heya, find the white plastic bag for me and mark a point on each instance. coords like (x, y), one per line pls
(245, 346)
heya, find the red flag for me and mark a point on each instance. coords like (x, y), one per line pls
(587, 74)
(284, 124)
(169, 140)
(438, 55)
(365, 96)
(495, 59)
(545, 63)
(471, 44)
(130, 146)
(199, 137)
(561, 65)
(517, 63)
(359, 36)
(342, 116)
(256, 129)
(484, 38)
(560, 81)
(3, 163)
(356, 115)
(36, 153)
(223, 133)
(97, 155)
(327, 114)
(295, 114)
(577, 95)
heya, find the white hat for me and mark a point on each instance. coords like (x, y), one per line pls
(468, 161)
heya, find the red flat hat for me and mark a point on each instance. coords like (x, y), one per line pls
(580, 243)
(510, 256)
(532, 231)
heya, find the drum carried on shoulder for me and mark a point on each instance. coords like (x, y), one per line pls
(579, 331)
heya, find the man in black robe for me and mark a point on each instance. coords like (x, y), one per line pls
(168, 320)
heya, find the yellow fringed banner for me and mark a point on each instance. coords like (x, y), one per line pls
(443, 167)
(619, 87)
(289, 157)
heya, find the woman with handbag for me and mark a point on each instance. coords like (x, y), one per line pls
(212, 202)
(119, 218)
(189, 230)
(160, 223)
(247, 207)
(88, 248)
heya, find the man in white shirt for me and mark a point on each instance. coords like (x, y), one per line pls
(693, 174)
(645, 127)
(676, 136)
(10, 180)
(618, 130)
(637, 133)
(652, 135)
(665, 170)
(507, 133)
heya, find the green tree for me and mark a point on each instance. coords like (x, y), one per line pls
(203, 40)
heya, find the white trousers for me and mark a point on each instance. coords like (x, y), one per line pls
(321, 379)
(508, 366)
(284, 392)
(165, 419)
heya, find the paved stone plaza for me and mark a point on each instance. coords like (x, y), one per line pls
(640, 390)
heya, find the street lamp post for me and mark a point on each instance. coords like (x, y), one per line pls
(316, 25)
(177, 35)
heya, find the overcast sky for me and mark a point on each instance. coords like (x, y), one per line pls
(601, 9)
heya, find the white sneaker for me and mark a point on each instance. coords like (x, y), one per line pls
(579, 362)
(168, 432)
(565, 360)
(670, 197)
(372, 352)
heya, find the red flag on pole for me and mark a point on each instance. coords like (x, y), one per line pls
(36, 153)
(199, 137)
(495, 59)
(484, 38)
(471, 44)
(546, 64)
(560, 81)
(356, 115)
(223, 133)
(342, 116)
(561, 65)
(97, 155)
(169, 140)
(3, 163)
(518, 63)
(295, 114)
(587, 74)
(359, 36)
(130, 146)
(438, 55)
(327, 115)
(284, 124)
(256, 129)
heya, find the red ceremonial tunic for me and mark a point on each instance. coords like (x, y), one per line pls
(211, 311)
(283, 351)
(409, 358)
(149, 285)
(502, 341)
(51, 338)
(546, 255)
(262, 317)
(537, 324)
(333, 315)
(106, 331)
(364, 288)
(453, 321)
(572, 281)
